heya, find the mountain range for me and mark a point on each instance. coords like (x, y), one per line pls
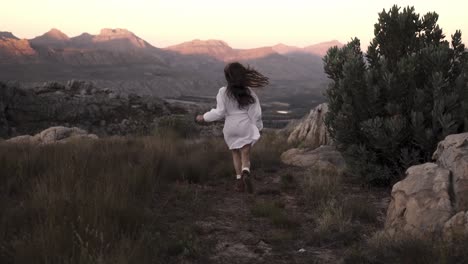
(119, 60)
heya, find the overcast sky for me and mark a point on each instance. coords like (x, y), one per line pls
(241, 23)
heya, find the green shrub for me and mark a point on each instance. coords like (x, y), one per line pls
(390, 107)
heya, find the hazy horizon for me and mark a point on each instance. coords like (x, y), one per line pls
(242, 24)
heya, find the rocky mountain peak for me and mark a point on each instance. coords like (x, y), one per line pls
(7, 35)
(56, 34)
(13, 49)
(53, 38)
(121, 35)
(115, 32)
(212, 47)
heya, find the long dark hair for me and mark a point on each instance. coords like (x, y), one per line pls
(239, 78)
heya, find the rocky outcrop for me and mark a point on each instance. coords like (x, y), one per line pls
(323, 158)
(311, 132)
(79, 104)
(452, 153)
(421, 202)
(432, 200)
(53, 135)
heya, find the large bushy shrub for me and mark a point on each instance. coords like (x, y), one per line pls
(390, 106)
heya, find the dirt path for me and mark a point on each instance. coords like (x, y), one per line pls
(276, 224)
(269, 226)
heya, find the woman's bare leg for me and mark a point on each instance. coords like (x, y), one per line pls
(245, 156)
(236, 158)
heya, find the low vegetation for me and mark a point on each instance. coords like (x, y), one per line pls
(134, 200)
(275, 213)
(380, 248)
(114, 200)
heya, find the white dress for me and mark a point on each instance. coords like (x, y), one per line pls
(241, 126)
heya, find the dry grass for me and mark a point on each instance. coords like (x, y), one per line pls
(267, 151)
(97, 201)
(380, 248)
(320, 187)
(114, 200)
(340, 217)
(335, 226)
(274, 212)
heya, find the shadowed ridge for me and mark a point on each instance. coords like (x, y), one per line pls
(7, 35)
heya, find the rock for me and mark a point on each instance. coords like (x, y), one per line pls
(26, 139)
(452, 153)
(432, 201)
(53, 135)
(263, 248)
(323, 158)
(311, 131)
(456, 226)
(421, 202)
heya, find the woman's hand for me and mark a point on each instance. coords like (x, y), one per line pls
(200, 119)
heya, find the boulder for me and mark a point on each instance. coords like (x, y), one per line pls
(432, 201)
(456, 226)
(324, 158)
(311, 131)
(452, 153)
(53, 135)
(421, 202)
(60, 134)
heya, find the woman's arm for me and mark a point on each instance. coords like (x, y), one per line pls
(219, 112)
